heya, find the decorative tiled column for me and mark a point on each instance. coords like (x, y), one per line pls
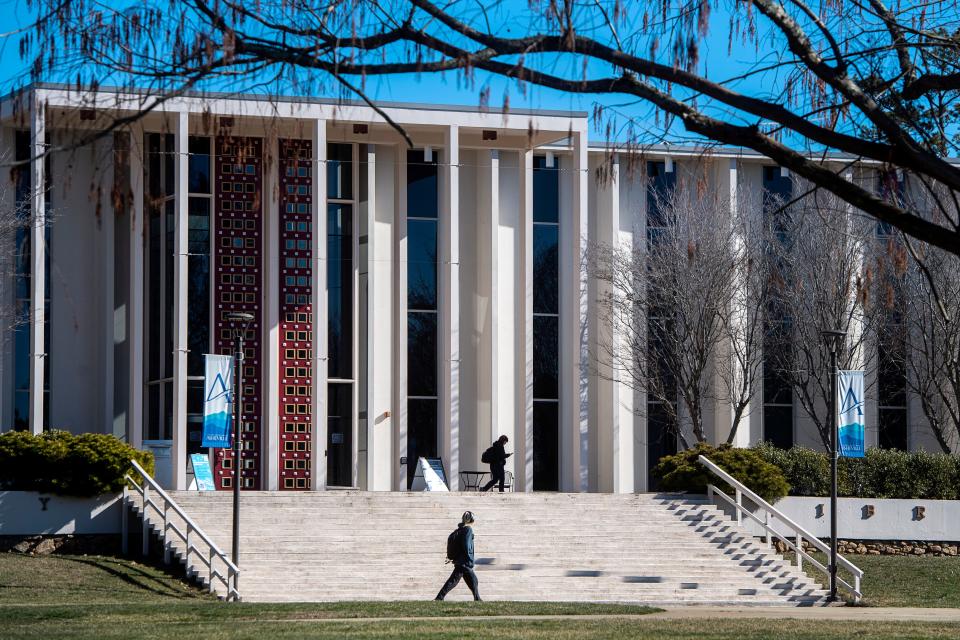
(239, 246)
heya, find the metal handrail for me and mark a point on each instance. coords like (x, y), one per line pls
(799, 533)
(230, 581)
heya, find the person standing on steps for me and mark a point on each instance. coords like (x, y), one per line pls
(460, 553)
(496, 456)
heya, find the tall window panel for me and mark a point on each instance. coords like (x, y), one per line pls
(661, 408)
(778, 409)
(340, 312)
(892, 417)
(238, 184)
(200, 206)
(159, 257)
(22, 288)
(546, 325)
(422, 212)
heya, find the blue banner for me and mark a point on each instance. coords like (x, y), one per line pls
(218, 400)
(850, 413)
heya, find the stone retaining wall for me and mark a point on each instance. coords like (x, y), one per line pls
(886, 547)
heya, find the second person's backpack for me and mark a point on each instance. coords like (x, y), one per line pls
(487, 456)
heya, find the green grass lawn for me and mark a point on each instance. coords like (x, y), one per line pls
(90, 597)
(903, 581)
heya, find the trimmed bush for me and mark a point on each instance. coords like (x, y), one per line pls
(682, 472)
(881, 473)
(64, 464)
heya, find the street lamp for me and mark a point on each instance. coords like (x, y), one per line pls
(239, 321)
(834, 340)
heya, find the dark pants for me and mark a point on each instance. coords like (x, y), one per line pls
(497, 474)
(468, 575)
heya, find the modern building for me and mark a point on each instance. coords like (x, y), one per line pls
(417, 290)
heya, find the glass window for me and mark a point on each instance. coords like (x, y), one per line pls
(422, 354)
(340, 434)
(546, 288)
(198, 285)
(778, 425)
(892, 424)
(340, 171)
(422, 191)
(546, 449)
(777, 188)
(199, 172)
(421, 432)
(546, 190)
(661, 437)
(660, 186)
(545, 352)
(421, 264)
(340, 289)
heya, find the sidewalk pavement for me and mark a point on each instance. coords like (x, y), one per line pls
(864, 614)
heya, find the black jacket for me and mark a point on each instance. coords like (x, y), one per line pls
(499, 455)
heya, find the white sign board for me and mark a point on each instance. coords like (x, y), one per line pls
(429, 476)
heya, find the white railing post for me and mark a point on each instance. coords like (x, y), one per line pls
(186, 554)
(856, 587)
(799, 551)
(739, 501)
(710, 493)
(766, 524)
(166, 525)
(210, 580)
(146, 527)
(124, 522)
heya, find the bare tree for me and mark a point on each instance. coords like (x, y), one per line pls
(673, 300)
(859, 78)
(918, 332)
(818, 251)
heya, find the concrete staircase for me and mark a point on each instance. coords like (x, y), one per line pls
(347, 545)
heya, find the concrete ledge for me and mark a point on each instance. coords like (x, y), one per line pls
(868, 518)
(27, 513)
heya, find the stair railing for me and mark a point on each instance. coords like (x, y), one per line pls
(196, 541)
(793, 542)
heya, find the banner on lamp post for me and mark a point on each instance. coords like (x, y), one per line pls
(217, 400)
(850, 414)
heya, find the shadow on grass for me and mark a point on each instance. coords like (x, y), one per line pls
(140, 578)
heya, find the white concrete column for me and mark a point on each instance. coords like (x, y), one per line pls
(180, 302)
(523, 449)
(727, 194)
(38, 261)
(625, 398)
(400, 321)
(107, 257)
(270, 454)
(488, 427)
(135, 296)
(574, 338)
(318, 300)
(614, 405)
(449, 325)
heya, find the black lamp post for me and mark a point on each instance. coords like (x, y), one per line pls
(240, 321)
(834, 340)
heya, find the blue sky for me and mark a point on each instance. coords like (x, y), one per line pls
(450, 88)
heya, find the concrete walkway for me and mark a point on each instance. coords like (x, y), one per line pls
(864, 614)
(860, 614)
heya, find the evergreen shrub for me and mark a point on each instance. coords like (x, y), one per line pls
(61, 463)
(683, 472)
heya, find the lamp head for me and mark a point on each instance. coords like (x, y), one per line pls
(833, 338)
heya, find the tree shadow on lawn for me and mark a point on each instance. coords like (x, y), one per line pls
(140, 578)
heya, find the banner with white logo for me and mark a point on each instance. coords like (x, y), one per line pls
(217, 404)
(850, 413)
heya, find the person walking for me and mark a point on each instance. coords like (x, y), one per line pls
(460, 553)
(496, 456)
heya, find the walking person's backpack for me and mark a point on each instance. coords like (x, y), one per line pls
(487, 456)
(454, 545)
